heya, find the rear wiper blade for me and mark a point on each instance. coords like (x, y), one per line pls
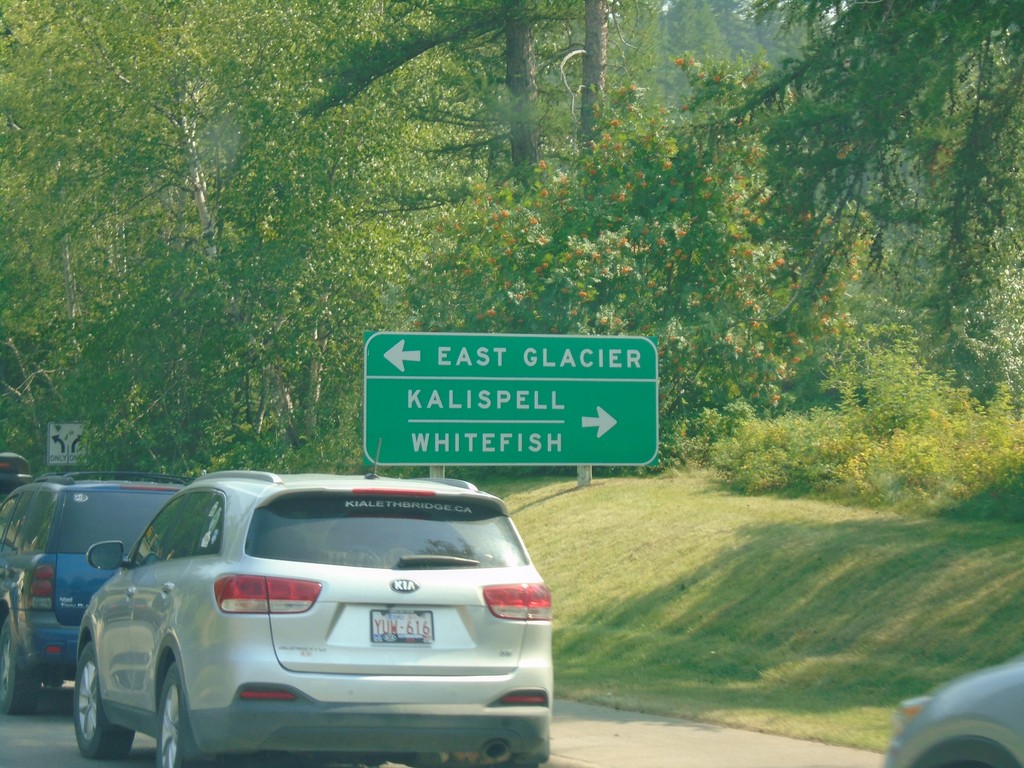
(436, 561)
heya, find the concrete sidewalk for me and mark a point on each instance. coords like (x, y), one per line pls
(586, 736)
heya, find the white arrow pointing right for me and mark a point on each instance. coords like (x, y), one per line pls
(603, 421)
(398, 357)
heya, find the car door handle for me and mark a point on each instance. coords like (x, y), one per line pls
(130, 591)
(167, 587)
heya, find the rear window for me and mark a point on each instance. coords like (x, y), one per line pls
(30, 528)
(101, 514)
(394, 532)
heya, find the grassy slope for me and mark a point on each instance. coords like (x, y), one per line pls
(789, 616)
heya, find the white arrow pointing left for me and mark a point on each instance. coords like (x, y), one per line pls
(398, 357)
(603, 421)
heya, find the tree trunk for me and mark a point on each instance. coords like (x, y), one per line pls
(197, 182)
(521, 78)
(595, 61)
(69, 277)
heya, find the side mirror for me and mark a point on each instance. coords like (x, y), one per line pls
(105, 555)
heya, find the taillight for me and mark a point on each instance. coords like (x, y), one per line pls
(265, 594)
(528, 698)
(528, 602)
(40, 588)
(263, 693)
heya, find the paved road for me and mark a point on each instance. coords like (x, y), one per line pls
(583, 736)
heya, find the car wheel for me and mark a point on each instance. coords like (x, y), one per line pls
(175, 747)
(19, 690)
(98, 738)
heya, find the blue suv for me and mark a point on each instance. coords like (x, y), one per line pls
(46, 526)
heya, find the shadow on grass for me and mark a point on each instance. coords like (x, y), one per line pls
(530, 489)
(1003, 503)
(806, 617)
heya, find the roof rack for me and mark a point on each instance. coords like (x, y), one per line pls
(71, 477)
(243, 474)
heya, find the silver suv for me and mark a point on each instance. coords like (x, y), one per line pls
(975, 721)
(370, 619)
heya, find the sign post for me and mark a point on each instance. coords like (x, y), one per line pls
(506, 399)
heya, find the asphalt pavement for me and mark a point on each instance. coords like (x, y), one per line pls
(586, 736)
(582, 736)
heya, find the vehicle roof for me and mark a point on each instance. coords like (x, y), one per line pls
(265, 486)
(107, 479)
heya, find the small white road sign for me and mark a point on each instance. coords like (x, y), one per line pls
(64, 443)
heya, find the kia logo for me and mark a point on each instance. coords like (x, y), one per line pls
(404, 585)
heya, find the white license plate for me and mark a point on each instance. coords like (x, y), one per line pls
(404, 627)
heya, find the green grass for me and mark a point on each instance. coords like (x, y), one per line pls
(803, 618)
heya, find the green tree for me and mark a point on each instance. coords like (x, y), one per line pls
(509, 73)
(660, 231)
(691, 26)
(902, 119)
(204, 262)
(412, 31)
(208, 205)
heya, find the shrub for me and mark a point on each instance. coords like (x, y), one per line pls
(944, 461)
(795, 452)
(697, 437)
(935, 449)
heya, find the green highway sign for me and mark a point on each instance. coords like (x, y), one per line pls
(509, 399)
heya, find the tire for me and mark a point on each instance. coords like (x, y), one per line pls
(98, 738)
(175, 747)
(19, 690)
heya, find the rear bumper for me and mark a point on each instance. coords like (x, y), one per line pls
(47, 647)
(423, 733)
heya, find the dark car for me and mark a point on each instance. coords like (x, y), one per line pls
(46, 526)
(14, 472)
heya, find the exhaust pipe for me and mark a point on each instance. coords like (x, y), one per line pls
(494, 752)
